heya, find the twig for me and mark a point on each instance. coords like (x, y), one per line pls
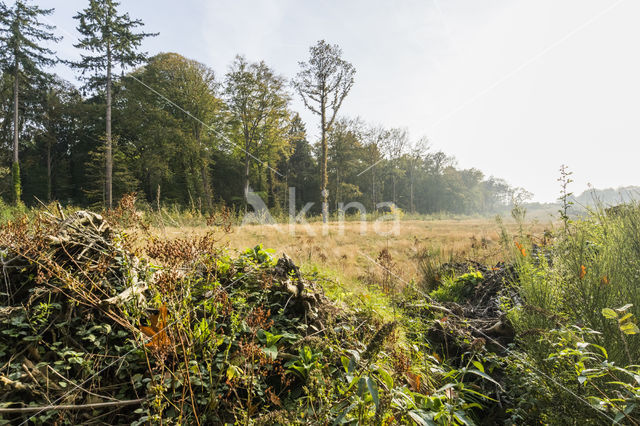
(78, 387)
(71, 407)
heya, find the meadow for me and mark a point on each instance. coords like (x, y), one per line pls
(148, 317)
(349, 250)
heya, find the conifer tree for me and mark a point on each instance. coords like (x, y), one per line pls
(22, 35)
(110, 40)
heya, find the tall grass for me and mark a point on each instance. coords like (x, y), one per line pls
(594, 264)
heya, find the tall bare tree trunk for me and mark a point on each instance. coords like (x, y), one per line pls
(49, 171)
(206, 190)
(413, 207)
(271, 198)
(394, 189)
(204, 174)
(323, 174)
(108, 149)
(15, 169)
(246, 176)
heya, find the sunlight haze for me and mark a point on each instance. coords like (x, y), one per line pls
(514, 89)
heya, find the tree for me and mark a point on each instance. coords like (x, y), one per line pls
(344, 142)
(111, 41)
(60, 107)
(373, 156)
(21, 36)
(257, 100)
(175, 135)
(394, 145)
(323, 83)
(416, 153)
(300, 169)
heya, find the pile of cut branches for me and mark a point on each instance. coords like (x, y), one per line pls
(91, 333)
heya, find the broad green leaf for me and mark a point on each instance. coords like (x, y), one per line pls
(385, 377)
(629, 328)
(373, 390)
(625, 307)
(271, 351)
(609, 313)
(484, 376)
(345, 363)
(461, 416)
(478, 365)
(625, 317)
(422, 418)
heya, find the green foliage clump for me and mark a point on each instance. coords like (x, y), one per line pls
(213, 338)
(593, 265)
(457, 289)
(575, 321)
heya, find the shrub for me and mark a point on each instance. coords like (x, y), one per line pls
(457, 289)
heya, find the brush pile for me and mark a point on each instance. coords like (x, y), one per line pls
(60, 319)
(92, 334)
(468, 305)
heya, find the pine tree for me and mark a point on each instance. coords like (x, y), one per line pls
(21, 38)
(111, 41)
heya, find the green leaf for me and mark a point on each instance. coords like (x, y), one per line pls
(373, 390)
(340, 418)
(484, 376)
(478, 365)
(625, 307)
(271, 352)
(625, 317)
(422, 418)
(385, 377)
(602, 349)
(345, 363)
(232, 371)
(461, 416)
(609, 313)
(629, 328)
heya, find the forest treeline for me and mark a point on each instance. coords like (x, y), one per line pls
(178, 132)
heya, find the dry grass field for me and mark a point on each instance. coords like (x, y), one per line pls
(348, 251)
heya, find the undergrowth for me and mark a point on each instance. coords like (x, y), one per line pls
(184, 331)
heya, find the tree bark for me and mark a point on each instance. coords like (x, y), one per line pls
(205, 186)
(48, 170)
(373, 189)
(246, 176)
(108, 148)
(413, 207)
(204, 174)
(17, 189)
(323, 174)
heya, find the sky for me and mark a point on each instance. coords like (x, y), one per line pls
(513, 88)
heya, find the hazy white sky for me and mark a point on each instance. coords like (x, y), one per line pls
(514, 88)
